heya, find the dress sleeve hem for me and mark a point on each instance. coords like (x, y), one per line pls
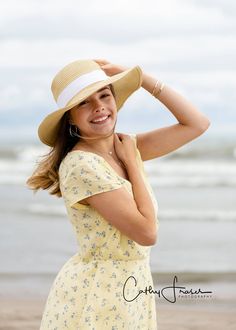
(109, 187)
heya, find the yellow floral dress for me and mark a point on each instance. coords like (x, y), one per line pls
(99, 288)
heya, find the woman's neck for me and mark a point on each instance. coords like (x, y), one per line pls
(103, 146)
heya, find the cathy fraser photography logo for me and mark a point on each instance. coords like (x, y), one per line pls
(169, 293)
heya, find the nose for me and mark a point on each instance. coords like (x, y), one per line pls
(98, 106)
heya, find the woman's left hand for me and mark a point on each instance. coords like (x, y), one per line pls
(109, 68)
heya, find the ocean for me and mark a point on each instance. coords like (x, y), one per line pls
(195, 190)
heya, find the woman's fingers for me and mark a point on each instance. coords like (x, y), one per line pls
(123, 135)
(101, 61)
(117, 135)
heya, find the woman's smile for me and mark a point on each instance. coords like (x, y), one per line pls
(97, 113)
(102, 120)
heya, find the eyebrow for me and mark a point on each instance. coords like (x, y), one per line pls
(100, 90)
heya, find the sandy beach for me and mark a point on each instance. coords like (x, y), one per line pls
(19, 313)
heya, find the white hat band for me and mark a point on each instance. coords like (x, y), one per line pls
(78, 84)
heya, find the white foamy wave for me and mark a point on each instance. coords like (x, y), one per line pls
(17, 164)
(194, 182)
(190, 167)
(14, 172)
(198, 215)
(30, 154)
(45, 209)
(191, 173)
(22, 152)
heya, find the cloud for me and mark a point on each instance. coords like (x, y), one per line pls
(122, 22)
(188, 44)
(228, 7)
(182, 53)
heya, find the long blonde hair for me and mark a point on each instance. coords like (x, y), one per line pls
(46, 175)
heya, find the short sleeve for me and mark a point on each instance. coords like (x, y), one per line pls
(84, 175)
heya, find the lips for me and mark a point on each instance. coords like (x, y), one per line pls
(106, 117)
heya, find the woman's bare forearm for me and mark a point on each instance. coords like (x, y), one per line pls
(183, 110)
(141, 194)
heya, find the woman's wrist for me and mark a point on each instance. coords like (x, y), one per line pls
(158, 88)
(131, 166)
(152, 85)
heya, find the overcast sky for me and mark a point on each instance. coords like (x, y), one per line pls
(188, 44)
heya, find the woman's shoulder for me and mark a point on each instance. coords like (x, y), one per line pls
(79, 156)
(79, 159)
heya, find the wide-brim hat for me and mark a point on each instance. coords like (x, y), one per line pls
(77, 81)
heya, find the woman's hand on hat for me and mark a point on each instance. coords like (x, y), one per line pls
(110, 69)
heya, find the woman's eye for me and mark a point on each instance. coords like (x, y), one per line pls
(105, 95)
(82, 103)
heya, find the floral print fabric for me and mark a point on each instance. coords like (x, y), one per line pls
(98, 288)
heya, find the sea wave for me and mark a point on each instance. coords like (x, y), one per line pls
(19, 162)
(59, 211)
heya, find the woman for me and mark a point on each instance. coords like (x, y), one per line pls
(109, 200)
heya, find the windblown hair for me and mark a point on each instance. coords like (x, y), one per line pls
(46, 175)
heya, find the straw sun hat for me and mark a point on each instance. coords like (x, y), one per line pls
(77, 81)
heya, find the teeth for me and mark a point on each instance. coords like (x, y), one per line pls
(100, 119)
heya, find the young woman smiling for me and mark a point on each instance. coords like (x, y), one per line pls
(109, 200)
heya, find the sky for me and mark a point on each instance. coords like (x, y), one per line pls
(189, 45)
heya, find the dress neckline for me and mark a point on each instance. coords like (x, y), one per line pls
(104, 160)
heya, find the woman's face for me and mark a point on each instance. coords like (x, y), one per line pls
(100, 104)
